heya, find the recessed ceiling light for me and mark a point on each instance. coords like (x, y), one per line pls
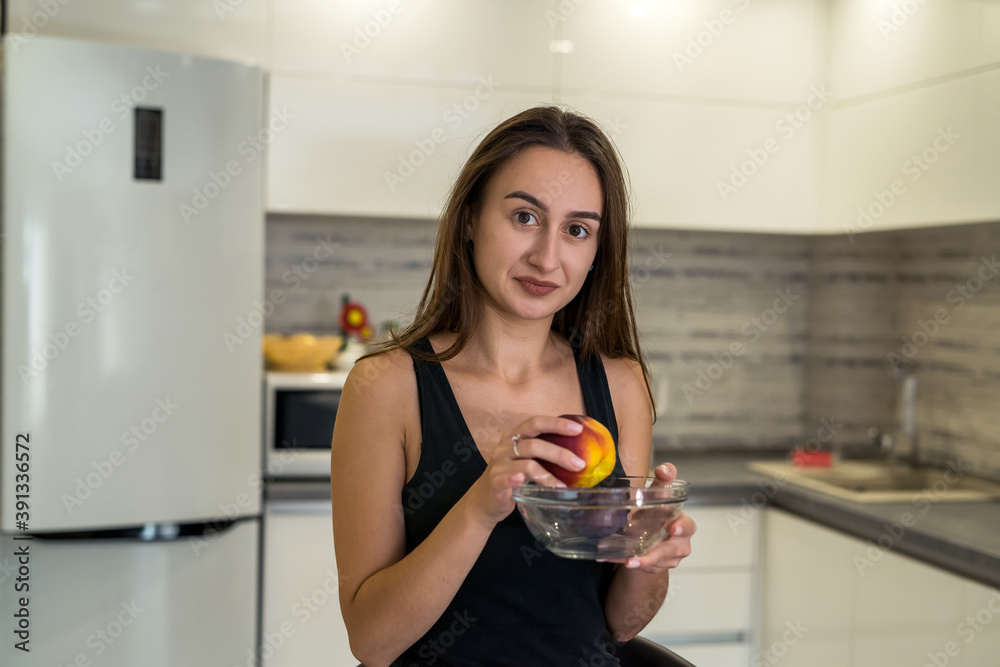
(561, 46)
(637, 10)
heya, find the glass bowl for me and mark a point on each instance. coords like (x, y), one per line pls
(618, 518)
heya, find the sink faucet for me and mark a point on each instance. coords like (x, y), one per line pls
(885, 442)
(908, 413)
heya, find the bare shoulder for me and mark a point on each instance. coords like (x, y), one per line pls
(625, 378)
(633, 410)
(382, 372)
(382, 388)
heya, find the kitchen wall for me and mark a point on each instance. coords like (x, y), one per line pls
(931, 299)
(754, 341)
(697, 293)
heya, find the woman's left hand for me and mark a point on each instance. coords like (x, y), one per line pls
(676, 547)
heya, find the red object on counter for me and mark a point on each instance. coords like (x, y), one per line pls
(803, 458)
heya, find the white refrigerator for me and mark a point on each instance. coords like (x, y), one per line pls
(132, 282)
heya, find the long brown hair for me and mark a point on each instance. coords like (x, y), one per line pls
(601, 317)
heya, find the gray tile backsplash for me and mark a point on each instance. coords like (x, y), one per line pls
(756, 341)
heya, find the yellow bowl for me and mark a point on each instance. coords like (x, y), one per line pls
(301, 352)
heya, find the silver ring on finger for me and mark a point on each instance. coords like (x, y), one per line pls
(516, 439)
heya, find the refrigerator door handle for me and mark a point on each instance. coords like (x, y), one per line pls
(150, 532)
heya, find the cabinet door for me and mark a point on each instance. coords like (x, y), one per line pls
(829, 599)
(377, 149)
(708, 615)
(907, 612)
(427, 42)
(302, 623)
(808, 580)
(709, 49)
(726, 168)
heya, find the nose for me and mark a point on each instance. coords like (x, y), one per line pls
(544, 253)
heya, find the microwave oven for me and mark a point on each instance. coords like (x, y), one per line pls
(299, 413)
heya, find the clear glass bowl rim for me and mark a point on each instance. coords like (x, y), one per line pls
(536, 494)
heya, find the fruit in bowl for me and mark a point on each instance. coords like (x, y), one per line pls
(594, 445)
(621, 518)
(301, 352)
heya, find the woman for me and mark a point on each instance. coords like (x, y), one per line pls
(528, 314)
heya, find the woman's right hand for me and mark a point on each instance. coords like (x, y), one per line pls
(491, 496)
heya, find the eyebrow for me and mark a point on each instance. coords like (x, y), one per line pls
(534, 201)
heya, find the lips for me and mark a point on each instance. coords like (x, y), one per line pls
(540, 288)
(535, 281)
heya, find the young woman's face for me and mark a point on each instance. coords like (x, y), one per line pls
(535, 236)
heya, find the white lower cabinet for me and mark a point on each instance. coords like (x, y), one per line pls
(833, 600)
(302, 623)
(709, 615)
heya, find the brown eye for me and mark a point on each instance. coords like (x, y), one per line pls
(573, 228)
(524, 217)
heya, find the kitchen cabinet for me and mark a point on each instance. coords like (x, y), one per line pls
(714, 167)
(912, 139)
(301, 619)
(229, 29)
(364, 148)
(710, 49)
(432, 42)
(931, 157)
(709, 615)
(880, 46)
(830, 599)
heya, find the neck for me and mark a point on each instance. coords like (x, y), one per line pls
(515, 352)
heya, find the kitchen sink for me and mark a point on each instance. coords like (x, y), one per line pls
(883, 481)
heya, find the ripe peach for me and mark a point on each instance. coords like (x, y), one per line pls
(594, 445)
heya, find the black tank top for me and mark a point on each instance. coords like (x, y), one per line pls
(520, 605)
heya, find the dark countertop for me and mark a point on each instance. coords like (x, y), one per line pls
(961, 537)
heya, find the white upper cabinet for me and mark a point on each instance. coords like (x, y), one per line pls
(889, 43)
(228, 29)
(913, 138)
(442, 41)
(374, 149)
(759, 50)
(718, 167)
(925, 157)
